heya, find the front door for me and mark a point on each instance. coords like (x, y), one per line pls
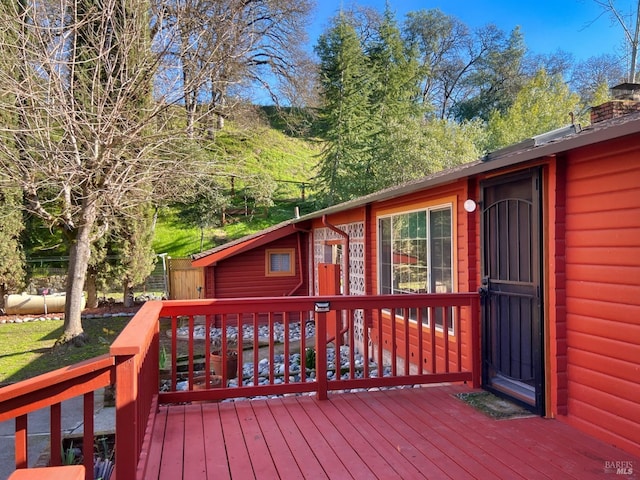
(512, 304)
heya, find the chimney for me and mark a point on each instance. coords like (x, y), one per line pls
(626, 99)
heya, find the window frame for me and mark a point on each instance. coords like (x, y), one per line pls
(442, 204)
(280, 273)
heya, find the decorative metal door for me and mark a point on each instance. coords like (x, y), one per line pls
(512, 304)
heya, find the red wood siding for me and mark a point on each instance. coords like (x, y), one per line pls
(243, 275)
(554, 217)
(603, 292)
(342, 218)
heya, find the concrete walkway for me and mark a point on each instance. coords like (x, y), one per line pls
(38, 431)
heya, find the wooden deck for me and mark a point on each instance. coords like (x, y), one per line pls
(389, 434)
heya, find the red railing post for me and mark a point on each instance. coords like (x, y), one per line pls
(128, 444)
(21, 442)
(55, 430)
(476, 360)
(88, 433)
(321, 355)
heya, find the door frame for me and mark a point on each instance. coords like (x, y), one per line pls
(538, 344)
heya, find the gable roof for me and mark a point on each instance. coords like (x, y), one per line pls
(263, 237)
(547, 144)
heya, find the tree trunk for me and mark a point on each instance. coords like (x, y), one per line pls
(79, 254)
(92, 290)
(127, 293)
(634, 47)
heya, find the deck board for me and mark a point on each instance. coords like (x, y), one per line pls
(395, 433)
(215, 447)
(305, 459)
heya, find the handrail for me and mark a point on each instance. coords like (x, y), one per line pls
(50, 390)
(226, 313)
(136, 355)
(389, 324)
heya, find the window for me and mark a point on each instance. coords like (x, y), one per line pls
(279, 262)
(416, 254)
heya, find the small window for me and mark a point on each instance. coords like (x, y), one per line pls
(279, 262)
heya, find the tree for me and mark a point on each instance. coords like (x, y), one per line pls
(464, 73)
(88, 139)
(344, 120)
(630, 26)
(393, 102)
(589, 76)
(12, 272)
(497, 76)
(138, 259)
(206, 208)
(229, 45)
(543, 104)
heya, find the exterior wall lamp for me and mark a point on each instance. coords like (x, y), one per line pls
(470, 205)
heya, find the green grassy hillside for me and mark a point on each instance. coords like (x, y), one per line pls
(254, 151)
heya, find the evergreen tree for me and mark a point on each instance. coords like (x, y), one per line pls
(344, 117)
(12, 272)
(138, 259)
(393, 105)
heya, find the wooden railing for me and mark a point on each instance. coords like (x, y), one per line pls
(49, 391)
(378, 336)
(392, 350)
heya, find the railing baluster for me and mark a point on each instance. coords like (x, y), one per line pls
(256, 349)
(223, 350)
(352, 343)
(286, 320)
(190, 357)
(432, 328)
(456, 328)
(271, 347)
(207, 350)
(394, 343)
(420, 332)
(445, 335)
(21, 442)
(55, 440)
(380, 343)
(365, 344)
(303, 347)
(321, 355)
(407, 341)
(174, 352)
(88, 434)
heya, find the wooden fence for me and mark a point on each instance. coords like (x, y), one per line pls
(185, 281)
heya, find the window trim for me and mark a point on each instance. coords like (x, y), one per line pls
(442, 203)
(280, 273)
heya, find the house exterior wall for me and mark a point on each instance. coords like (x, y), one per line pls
(464, 261)
(603, 291)
(323, 236)
(244, 275)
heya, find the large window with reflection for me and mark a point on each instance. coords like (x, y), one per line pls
(415, 255)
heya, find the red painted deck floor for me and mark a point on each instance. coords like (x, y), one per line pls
(392, 434)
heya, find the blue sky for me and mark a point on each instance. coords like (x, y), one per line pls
(575, 26)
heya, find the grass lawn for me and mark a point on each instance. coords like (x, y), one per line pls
(26, 348)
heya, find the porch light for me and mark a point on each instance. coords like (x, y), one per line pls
(470, 205)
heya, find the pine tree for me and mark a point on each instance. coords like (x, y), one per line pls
(12, 272)
(393, 105)
(345, 125)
